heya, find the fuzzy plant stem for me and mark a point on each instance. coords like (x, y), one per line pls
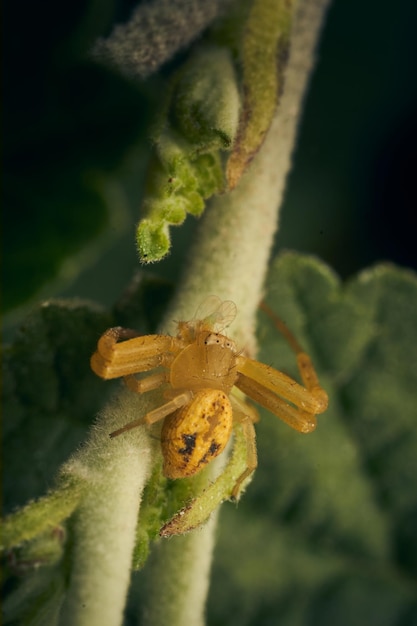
(229, 259)
(177, 584)
(155, 32)
(103, 527)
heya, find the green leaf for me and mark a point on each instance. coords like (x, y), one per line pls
(198, 121)
(263, 54)
(326, 532)
(206, 102)
(50, 395)
(41, 516)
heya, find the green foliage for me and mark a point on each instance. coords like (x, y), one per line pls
(263, 56)
(49, 393)
(202, 117)
(174, 507)
(39, 518)
(328, 523)
(199, 120)
(151, 516)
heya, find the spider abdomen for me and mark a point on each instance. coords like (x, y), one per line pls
(195, 434)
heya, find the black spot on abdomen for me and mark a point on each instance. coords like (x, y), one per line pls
(189, 444)
(213, 448)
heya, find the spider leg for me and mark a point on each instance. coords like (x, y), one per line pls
(298, 418)
(148, 383)
(114, 358)
(245, 415)
(157, 414)
(312, 399)
(304, 364)
(282, 327)
(241, 407)
(272, 389)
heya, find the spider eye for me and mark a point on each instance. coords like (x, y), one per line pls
(212, 339)
(219, 340)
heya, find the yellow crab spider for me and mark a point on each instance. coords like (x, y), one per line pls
(198, 370)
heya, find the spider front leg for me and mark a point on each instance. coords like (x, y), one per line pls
(294, 416)
(273, 389)
(121, 352)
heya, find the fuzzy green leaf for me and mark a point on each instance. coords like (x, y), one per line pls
(264, 52)
(50, 394)
(198, 122)
(329, 523)
(41, 515)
